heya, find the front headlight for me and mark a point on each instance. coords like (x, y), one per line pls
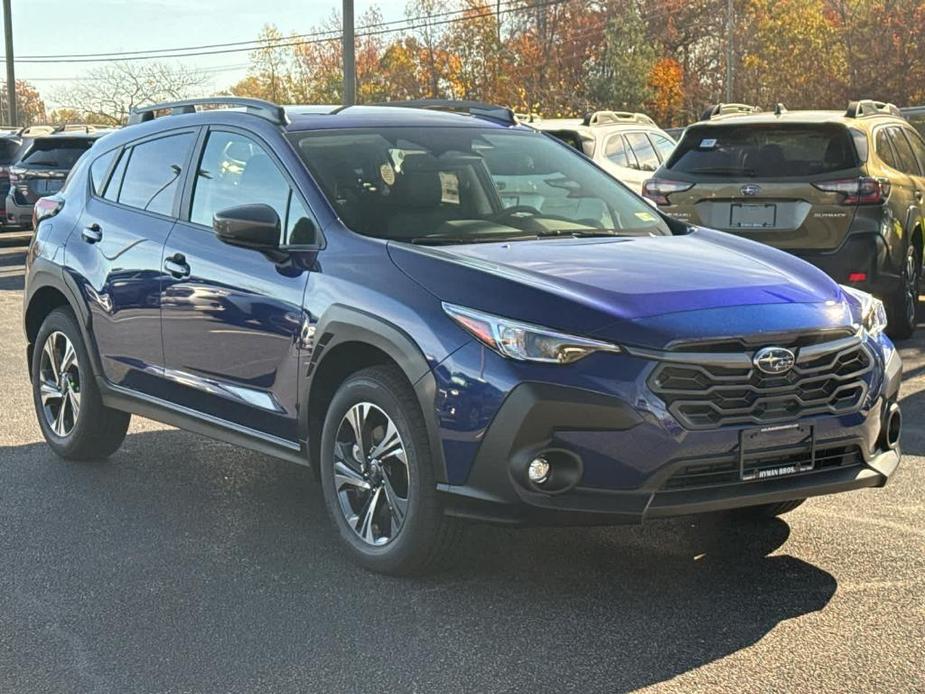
(523, 341)
(873, 313)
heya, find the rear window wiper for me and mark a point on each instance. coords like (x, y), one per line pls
(719, 171)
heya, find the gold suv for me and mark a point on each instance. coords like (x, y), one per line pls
(840, 189)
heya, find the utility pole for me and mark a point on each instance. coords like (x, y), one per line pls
(350, 67)
(730, 50)
(10, 70)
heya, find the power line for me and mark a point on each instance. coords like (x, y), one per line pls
(282, 42)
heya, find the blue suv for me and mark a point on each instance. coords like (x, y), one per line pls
(447, 315)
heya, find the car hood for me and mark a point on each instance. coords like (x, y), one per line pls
(636, 290)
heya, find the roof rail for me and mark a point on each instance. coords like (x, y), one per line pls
(258, 107)
(610, 117)
(728, 109)
(34, 130)
(868, 107)
(473, 108)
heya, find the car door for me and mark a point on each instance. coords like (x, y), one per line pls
(232, 316)
(893, 150)
(914, 155)
(131, 208)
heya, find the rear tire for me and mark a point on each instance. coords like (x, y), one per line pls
(383, 499)
(767, 511)
(70, 410)
(902, 306)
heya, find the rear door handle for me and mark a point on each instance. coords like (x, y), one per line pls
(177, 266)
(92, 233)
(918, 195)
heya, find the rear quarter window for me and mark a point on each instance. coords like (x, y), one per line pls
(764, 151)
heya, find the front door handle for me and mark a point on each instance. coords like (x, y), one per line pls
(92, 233)
(177, 266)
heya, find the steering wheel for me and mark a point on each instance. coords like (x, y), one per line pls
(508, 212)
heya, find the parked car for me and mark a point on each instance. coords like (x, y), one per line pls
(916, 117)
(628, 145)
(11, 144)
(42, 164)
(840, 189)
(345, 288)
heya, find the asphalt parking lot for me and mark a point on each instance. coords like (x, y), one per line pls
(186, 565)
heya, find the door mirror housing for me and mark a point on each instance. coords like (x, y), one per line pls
(251, 226)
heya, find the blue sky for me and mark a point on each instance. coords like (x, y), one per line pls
(43, 27)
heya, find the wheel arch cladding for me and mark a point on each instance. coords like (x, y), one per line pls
(348, 340)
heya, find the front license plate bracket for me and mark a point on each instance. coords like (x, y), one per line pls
(776, 451)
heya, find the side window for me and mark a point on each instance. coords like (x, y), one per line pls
(235, 170)
(153, 173)
(885, 148)
(918, 146)
(615, 151)
(111, 192)
(644, 151)
(663, 145)
(907, 162)
(98, 170)
(301, 229)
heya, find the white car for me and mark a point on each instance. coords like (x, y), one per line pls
(628, 145)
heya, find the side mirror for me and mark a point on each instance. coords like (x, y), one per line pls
(251, 226)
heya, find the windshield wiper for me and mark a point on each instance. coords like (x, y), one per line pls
(575, 233)
(450, 240)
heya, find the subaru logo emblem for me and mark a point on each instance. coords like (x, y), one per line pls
(774, 360)
(750, 190)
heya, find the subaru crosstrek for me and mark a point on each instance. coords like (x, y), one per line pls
(447, 315)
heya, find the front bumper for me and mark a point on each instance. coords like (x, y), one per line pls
(630, 457)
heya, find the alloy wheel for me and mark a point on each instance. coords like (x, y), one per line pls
(371, 474)
(59, 384)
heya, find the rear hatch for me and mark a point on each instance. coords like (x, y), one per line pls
(9, 149)
(44, 167)
(761, 181)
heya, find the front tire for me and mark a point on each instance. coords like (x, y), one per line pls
(70, 411)
(377, 476)
(903, 306)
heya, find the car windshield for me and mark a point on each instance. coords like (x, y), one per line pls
(764, 151)
(466, 185)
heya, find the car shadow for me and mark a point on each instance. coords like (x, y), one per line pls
(188, 564)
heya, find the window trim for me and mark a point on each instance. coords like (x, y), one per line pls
(106, 174)
(199, 151)
(128, 147)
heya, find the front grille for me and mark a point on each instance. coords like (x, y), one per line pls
(710, 394)
(717, 473)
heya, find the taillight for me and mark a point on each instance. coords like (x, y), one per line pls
(658, 189)
(858, 191)
(45, 208)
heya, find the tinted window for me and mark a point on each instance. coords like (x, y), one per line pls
(904, 155)
(663, 145)
(456, 185)
(885, 148)
(300, 226)
(773, 150)
(56, 153)
(8, 151)
(918, 146)
(644, 151)
(154, 173)
(615, 150)
(99, 168)
(115, 181)
(235, 170)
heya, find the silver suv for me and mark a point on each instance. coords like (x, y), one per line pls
(628, 145)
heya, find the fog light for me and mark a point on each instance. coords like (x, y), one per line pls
(538, 472)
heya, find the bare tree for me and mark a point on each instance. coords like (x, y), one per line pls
(108, 93)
